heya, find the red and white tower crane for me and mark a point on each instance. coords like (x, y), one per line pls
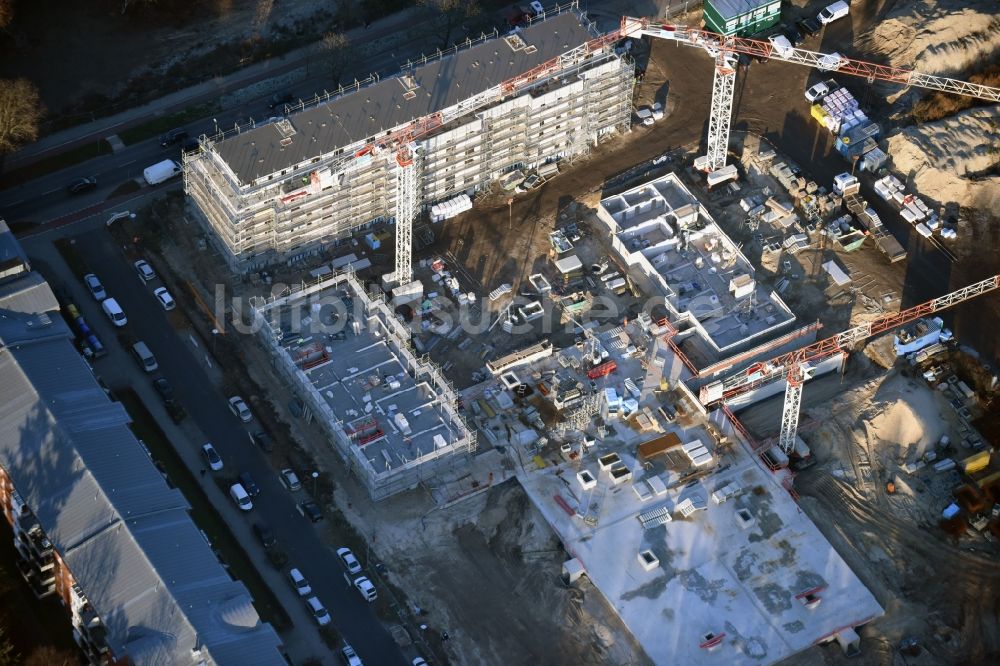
(796, 366)
(726, 49)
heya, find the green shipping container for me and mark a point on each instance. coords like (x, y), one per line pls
(741, 17)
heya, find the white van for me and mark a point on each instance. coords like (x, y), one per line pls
(114, 312)
(144, 357)
(161, 172)
(240, 496)
(831, 13)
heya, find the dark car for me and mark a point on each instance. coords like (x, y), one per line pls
(809, 26)
(175, 135)
(264, 535)
(793, 35)
(263, 440)
(280, 99)
(82, 185)
(249, 484)
(164, 388)
(311, 510)
(190, 144)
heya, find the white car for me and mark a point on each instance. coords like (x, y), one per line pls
(817, 92)
(351, 562)
(419, 661)
(114, 312)
(212, 456)
(290, 480)
(145, 271)
(299, 582)
(241, 496)
(95, 287)
(350, 657)
(318, 611)
(165, 299)
(366, 588)
(831, 62)
(781, 45)
(240, 409)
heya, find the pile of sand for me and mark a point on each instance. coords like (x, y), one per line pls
(942, 159)
(910, 416)
(937, 36)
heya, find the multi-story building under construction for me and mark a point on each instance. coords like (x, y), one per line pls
(546, 92)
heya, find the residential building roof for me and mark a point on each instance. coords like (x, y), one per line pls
(388, 104)
(127, 537)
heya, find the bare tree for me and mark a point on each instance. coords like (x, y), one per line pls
(6, 13)
(452, 13)
(128, 3)
(8, 655)
(337, 54)
(20, 110)
(51, 656)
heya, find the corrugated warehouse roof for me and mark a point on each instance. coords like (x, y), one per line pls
(386, 105)
(125, 535)
(732, 8)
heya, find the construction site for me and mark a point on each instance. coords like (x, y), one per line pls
(692, 382)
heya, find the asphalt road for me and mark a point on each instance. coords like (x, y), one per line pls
(353, 617)
(46, 198)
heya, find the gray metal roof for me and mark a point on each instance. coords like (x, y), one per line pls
(28, 294)
(382, 106)
(11, 252)
(127, 537)
(728, 9)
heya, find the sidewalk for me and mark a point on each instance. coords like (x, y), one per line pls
(205, 91)
(301, 640)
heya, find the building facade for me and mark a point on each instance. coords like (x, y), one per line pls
(94, 523)
(294, 185)
(741, 17)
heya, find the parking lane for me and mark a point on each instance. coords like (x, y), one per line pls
(206, 406)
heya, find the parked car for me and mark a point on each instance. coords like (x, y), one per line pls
(781, 45)
(145, 271)
(190, 144)
(299, 582)
(263, 440)
(81, 185)
(175, 135)
(809, 26)
(793, 35)
(419, 661)
(163, 387)
(290, 480)
(319, 612)
(114, 312)
(349, 656)
(366, 588)
(264, 535)
(166, 392)
(351, 562)
(832, 12)
(164, 297)
(144, 357)
(280, 99)
(212, 456)
(831, 62)
(95, 287)
(241, 496)
(311, 510)
(251, 486)
(817, 92)
(240, 409)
